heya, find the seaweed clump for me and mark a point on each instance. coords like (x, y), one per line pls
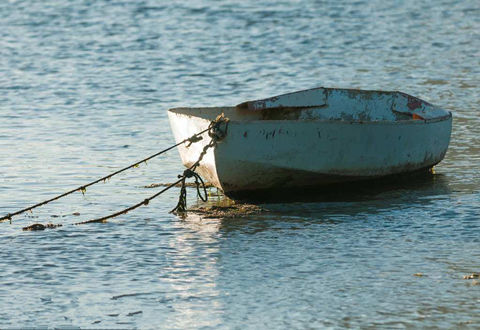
(226, 211)
(39, 226)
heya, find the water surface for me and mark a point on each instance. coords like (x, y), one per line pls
(84, 89)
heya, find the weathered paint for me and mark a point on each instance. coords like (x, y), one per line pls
(314, 97)
(357, 135)
(404, 103)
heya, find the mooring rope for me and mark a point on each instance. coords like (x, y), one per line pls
(213, 131)
(215, 135)
(146, 201)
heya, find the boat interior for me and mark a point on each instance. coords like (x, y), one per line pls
(327, 104)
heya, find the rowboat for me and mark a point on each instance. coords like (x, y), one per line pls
(314, 138)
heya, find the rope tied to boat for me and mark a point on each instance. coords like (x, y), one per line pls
(214, 131)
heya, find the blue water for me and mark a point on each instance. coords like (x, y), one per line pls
(84, 89)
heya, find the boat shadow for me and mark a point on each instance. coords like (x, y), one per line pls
(407, 186)
(390, 194)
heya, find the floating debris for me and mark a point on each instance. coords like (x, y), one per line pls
(134, 313)
(419, 274)
(129, 295)
(39, 226)
(471, 276)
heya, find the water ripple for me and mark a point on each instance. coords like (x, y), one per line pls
(84, 89)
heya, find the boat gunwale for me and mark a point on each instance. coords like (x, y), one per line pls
(333, 121)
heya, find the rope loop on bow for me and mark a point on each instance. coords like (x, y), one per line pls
(217, 130)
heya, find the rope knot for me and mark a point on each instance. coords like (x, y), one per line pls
(217, 129)
(199, 184)
(188, 173)
(193, 139)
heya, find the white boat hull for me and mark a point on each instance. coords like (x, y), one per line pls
(271, 154)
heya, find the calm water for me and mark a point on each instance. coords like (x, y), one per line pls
(84, 89)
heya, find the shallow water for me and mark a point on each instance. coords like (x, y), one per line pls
(84, 89)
